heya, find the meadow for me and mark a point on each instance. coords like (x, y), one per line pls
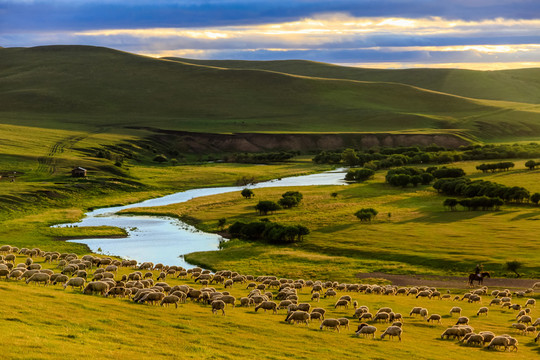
(50, 322)
(413, 233)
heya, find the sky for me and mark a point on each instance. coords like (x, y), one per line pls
(472, 34)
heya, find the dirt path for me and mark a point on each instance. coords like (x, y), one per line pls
(454, 282)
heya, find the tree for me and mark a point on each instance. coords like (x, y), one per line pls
(290, 199)
(535, 198)
(513, 266)
(349, 157)
(334, 195)
(221, 223)
(361, 174)
(247, 193)
(266, 206)
(531, 164)
(366, 214)
(451, 203)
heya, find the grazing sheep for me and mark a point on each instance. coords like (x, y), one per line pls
(418, 311)
(520, 327)
(152, 297)
(267, 305)
(170, 299)
(475, 339)
(330, 323)
(434, 317)
(392, 331)
(342, 303)
(530, 302)
(482, 310)
(218, 305)
(39, 278)
(315, 296)
(304, 307)
(495, 302)
(425, 293)
(316, 315)
(298, 316)
(455, 310)
(229, 299)
(385, 317)
(75, 282)
(319, 310)
(330, 292)
(455, 332)
(246, 302)
(366, 330)
(16, 274)
(536, 322)
(499, 341)
(344, 322)
(530, 329)
(96, 287)
(526, 319)
(463, 320)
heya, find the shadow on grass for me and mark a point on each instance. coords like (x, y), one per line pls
(444, 217)
(527, 216)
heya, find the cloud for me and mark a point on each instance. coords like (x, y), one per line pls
(393, 31)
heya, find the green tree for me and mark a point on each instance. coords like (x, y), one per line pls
(349, 157)
(160, 158)
(535, 198)
(531, 164)
(514, 266)
(366, 214)
(451, 204)
(265, 206)
(247, 193)
(221, 223)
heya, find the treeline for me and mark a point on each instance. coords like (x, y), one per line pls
(383, 158)
(466, 187)
(405, 175)
(475, 203)
(260, 158)
(268, 231)
(505, 166)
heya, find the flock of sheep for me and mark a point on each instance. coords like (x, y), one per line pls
(143, 286)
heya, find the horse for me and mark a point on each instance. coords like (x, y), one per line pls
(478, 277)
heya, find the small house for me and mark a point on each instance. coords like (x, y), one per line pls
(78, 172)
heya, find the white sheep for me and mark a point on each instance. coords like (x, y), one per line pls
(366, 330)
(530, 302)
(434, 317)
(455, 310)
(392, 331)
(482, 310)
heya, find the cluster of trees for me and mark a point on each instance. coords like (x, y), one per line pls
(260, 158)
(383, 158)
(532, 164)
(475, 203)
(468, 188)
(290, 199)
(361, 174)
(491, 151)
(387, 157)
(444, 172)
(366, 215)
(268, 231)
(403, 176)
(503, 166)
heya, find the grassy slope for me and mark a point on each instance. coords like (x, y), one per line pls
(522, 85)
(85, 86)
(52, 323)
(420, 237)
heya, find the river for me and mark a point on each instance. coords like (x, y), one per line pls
(165, 240)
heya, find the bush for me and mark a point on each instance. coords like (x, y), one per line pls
(514, 266)
(448, 173)
(290, 199)
(359, 175)
(269, 231)
(247, 193)
(366, 214)
(265, 206)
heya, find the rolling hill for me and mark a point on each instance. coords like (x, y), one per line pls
(89, 86)
(520, 85)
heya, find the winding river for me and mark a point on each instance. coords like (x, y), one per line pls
(165, 240)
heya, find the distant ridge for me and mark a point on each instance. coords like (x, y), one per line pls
(520, 85)
(95, 86)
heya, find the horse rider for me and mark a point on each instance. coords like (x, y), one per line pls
(478, 269)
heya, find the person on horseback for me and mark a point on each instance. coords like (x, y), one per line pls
(478, 269)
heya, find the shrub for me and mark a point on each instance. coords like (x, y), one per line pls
(265, 206)
(247, 193)
(358, 175)
(160, 158)
(366, 214)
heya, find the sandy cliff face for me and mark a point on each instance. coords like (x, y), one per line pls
(260, 142)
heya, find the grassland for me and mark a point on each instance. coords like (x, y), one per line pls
(413, 233)
(76, 86)
(49, 322)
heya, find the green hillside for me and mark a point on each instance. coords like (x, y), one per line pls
(521, 85)
(88, 86)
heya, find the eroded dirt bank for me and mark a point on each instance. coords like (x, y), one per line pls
(259, 142)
